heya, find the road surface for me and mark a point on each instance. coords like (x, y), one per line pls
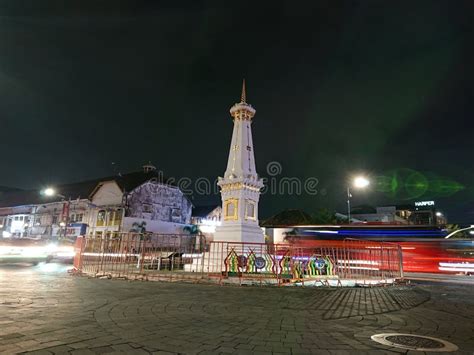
(46, 311)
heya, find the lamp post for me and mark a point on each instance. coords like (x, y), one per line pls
(50, 192)
(359, 182)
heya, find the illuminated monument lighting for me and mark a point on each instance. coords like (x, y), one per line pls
(240, 186)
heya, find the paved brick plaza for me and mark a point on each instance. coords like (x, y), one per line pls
(44, 311)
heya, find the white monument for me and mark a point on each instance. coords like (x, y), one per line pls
(240, 186)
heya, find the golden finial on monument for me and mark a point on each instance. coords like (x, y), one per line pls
(243, 97)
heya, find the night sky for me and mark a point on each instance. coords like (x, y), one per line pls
(340, 87)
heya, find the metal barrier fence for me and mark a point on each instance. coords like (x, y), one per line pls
(318, 261)
(133, 255)
(172, 257)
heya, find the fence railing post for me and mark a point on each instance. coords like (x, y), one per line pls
(78, 251)
(400, 261)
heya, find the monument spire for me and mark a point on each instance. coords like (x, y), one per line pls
(243, 97)
(240, 185)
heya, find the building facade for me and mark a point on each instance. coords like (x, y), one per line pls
(418, 213)
(140, 201)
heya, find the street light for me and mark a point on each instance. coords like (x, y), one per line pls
(359, 182)
(51, 192)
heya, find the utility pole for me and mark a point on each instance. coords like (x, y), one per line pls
(349, 205)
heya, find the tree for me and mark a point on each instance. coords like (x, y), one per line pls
(323, 216)
(138, 227)
(197, 239)
(192, 229)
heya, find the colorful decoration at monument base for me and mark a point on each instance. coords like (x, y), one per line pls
(287, 266)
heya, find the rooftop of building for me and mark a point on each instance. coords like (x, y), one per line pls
(368, 209)
(79, 190)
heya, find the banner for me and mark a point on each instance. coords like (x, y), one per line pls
(65, 212)
(72, 230)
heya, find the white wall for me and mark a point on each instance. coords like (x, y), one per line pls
(379, 217)
(277, 235)
(154, 226)
(164, 203)
(108, 194)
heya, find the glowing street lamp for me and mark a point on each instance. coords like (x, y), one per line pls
(359, 182)
(49, 191)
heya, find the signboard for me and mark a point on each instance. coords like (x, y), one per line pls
(72, 230)
(424, 203)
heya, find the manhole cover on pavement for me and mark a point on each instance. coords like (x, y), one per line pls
(414, 342)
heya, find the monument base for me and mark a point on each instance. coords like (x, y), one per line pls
(239, 233)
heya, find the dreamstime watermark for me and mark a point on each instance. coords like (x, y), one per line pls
(275, 183)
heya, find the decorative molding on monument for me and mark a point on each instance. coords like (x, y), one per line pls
(239, 186)
(235, 215)
(241, 112)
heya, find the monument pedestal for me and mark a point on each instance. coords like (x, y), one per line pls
(239, 233)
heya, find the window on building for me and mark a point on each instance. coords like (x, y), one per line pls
(118, 217)
(55, 219)
(115, 217)
(101, 218)
(108, 218)
(147, 208)
(76, 217)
